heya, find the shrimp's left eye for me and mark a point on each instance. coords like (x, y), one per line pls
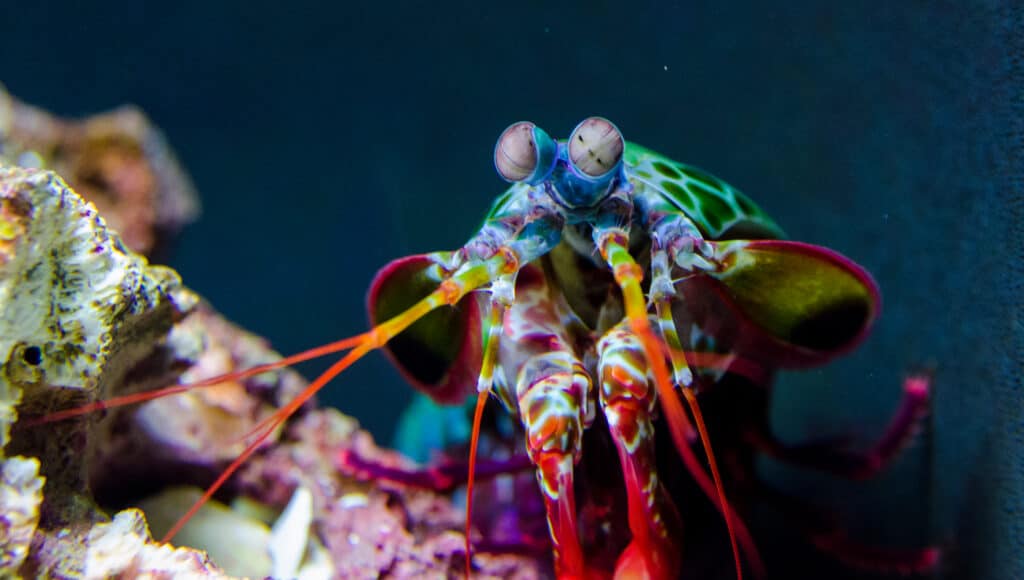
(595, 147)
(524, 153)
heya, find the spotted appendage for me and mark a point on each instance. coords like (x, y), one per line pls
(720, 210)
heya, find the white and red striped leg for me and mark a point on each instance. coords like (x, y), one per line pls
(627, 401)
(551, 395)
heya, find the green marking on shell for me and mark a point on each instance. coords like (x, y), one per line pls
(666, 170)
(497, 208)
(679, 194)
(707, 180)
(714, 208)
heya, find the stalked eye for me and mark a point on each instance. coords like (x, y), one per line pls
(524, 153)
(595, 147)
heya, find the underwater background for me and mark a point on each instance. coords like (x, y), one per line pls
(326, 140)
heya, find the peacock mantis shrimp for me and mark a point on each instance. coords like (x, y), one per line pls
(606, 288)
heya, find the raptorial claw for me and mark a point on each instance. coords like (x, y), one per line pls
(441, 353)
(628, 401)
(787, 303)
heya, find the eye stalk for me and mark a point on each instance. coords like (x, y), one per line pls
(595, 147)
(524, 153)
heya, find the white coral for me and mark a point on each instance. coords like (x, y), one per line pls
(69, 290)
(123, 548)
(21, 493)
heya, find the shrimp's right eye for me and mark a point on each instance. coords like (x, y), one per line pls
(524, 153)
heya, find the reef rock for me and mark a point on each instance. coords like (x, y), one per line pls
(77, 309)
(21, 493)
(77, 312)
(117, 160)
(123, 547)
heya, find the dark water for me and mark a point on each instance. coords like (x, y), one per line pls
(328, 140)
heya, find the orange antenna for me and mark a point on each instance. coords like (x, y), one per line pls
(279, 417)
(448, 292)
(183, 387)
(698, 418)
(481, 402)
(495, 318)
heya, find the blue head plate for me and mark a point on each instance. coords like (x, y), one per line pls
(578, 172)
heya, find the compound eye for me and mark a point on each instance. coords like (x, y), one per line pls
(595, 147)
(524, 153)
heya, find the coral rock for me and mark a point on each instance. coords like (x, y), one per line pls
(77, 309)
(117, 160)
(123, 548)
(77, 312)
(21, 492)
(371, 529)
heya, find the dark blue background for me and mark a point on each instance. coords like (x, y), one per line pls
(326, 140)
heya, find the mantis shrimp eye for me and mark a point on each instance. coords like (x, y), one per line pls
(524, 153)
(595, 147)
